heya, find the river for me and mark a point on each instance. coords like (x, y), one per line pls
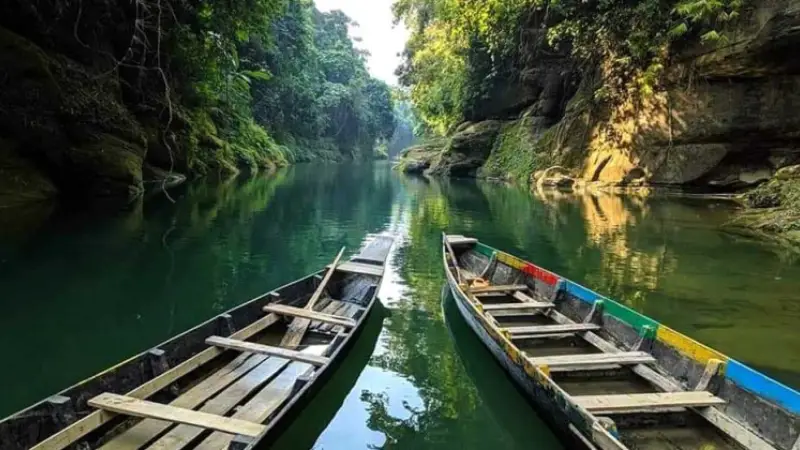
(82, 291)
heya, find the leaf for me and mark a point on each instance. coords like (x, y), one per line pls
(678, 30)
(257, 74)
(711, 36)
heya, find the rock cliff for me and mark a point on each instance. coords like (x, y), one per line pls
(724, 118)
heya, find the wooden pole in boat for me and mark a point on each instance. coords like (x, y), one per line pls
(324, 282)
(298, 326)
(453, 259)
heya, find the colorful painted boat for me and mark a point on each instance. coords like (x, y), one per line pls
(231, 382)
(603, 375)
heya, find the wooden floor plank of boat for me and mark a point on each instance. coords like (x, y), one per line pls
(265, 402)
(222, 404)
(303, 313)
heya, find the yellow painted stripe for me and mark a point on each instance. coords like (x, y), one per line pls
(509, 260)
(688, 346)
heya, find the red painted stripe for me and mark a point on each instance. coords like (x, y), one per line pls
(540, 274)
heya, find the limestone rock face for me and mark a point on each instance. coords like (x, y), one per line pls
(467, 150)
(733, 125)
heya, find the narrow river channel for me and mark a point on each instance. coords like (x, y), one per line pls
(81, 292)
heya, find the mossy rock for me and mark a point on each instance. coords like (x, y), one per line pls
(112, 166)
(21, 181)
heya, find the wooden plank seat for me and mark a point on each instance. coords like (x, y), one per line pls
(584, 361)
(376, 251)
(286, 310)
(457, 239)
(251, 347)
(360, 268)
(516, 306)
(499, 288)
(550, 329)
(651, 402)
(130, 406)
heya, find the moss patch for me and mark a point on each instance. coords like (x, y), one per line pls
(21, 181)
(519, 151)
(773, 210)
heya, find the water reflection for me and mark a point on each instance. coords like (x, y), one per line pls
(82, 291)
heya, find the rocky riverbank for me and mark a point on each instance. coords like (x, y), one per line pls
(726, 119)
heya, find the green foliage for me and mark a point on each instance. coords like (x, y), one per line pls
(519, 152)
(460, 49)
(319, 100)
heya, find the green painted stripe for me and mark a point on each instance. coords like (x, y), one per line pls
(484, 249)
(643, 324)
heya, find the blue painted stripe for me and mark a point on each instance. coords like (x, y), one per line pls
(763, 386)
(587, 295)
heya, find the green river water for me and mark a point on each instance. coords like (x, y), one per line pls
(81, 291)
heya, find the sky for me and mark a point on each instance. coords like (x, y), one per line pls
(380, 37)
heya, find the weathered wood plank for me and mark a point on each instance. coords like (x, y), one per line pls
(627, 358)
(324, 283)
(307, 314)
(620, 403)
(515, 306)
(297, 329)
(147, 429)
(121, 404)
(252, 347)
(81, 428)
(499, 288)
(376, 250)
(457, 239)
(361, 269)
(560, 328)
(525, 298)
(265, 402)
(182, 435)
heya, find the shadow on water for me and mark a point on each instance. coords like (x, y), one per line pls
(498, 392)
(317, 414)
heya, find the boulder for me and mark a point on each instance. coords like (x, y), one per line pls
(467, 150)
(788, 173)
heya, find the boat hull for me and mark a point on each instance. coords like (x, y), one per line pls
(603, 375)
(536, 394)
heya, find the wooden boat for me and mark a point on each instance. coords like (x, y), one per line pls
(603, 375)
(231, 382)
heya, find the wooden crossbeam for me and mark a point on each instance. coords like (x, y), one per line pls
(548, 329)
(244, 346)
(516, 306)
(457, 239)
(360, 268)
(594, 359)
(499, 288)
(652, 402)
(141, 408)
(285, 310)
